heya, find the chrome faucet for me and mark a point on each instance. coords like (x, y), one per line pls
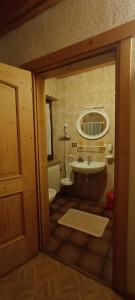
(89, 160)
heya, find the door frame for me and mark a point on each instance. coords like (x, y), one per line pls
(118, 40)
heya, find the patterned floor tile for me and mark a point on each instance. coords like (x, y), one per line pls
(68, 245)
(91, 262)
(69, 253)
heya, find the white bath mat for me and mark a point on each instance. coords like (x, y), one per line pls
(84, 221)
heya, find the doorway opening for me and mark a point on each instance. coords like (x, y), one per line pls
(65, 61)
(85, 92)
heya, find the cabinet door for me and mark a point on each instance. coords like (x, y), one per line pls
(18, 209)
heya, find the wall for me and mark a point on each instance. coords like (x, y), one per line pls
(67, 23)
(76, 94)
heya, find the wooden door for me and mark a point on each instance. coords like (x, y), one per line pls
(18, 210)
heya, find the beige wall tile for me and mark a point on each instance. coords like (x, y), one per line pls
(75, 95)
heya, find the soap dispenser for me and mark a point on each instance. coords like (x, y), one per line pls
(109, 155)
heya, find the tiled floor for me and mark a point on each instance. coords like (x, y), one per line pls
(84, 252)
(43, 278)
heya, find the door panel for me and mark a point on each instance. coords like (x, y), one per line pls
(11, 209)
(18, 209)
(9, 161)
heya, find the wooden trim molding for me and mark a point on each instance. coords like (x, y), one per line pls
(119, 41)
(98, 44)
(42, 163)
(123, 65)
(80, 66)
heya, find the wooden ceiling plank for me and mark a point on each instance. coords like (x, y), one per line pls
(13, 9)
(15, 13)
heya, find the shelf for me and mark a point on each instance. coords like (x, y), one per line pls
(84, 148)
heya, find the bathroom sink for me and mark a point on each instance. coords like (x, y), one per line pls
(92, 168)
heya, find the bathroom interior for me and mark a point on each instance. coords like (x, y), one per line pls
(80, 122)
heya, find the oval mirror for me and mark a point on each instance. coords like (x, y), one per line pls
(93, 124)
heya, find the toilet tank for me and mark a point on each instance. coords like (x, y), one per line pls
(54, 176)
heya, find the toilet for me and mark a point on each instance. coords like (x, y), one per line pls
(53, 180)
(52, 194)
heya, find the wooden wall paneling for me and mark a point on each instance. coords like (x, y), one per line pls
(42, 162)
(123, 65)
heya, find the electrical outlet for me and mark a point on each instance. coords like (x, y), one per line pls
(74, 144)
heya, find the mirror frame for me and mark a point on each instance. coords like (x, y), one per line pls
(96, 136)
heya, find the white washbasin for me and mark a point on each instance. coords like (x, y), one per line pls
(84, 167)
